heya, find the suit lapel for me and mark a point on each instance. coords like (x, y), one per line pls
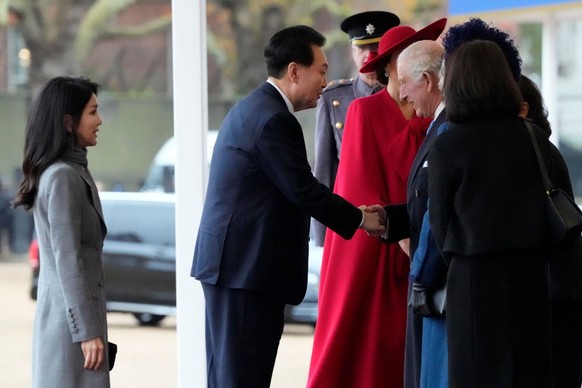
(425, 146)
(273, 92)
(94, 193)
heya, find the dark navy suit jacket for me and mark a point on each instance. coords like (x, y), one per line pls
(405, 220)
(261, 193)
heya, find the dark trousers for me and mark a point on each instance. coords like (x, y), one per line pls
(413, 347)
(243, 330)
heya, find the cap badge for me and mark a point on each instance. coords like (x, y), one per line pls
(370, 28)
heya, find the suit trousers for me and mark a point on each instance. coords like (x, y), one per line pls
(243, 330)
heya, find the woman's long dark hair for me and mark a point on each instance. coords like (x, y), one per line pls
(537, 109)
(46, 136)
(473, 91)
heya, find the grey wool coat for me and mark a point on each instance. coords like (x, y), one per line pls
(71, 288)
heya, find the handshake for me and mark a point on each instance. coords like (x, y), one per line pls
(375, 220)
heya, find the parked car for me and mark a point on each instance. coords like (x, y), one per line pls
(139, 258)
(160, 175)
(306, 311)
(139, 255)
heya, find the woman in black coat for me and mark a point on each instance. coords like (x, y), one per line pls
(565, 275)
(487, 216)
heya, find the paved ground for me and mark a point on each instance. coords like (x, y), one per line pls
(137, 365)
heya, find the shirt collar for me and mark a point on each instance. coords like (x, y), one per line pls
(437, 112)
(439, 109)
(287, 101)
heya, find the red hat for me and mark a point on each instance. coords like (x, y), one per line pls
(399, 37)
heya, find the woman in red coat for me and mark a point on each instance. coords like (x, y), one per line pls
(359, 338)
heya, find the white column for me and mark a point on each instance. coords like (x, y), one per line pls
(190, 127)
(549, 86)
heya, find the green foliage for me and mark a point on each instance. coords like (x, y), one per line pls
(531, 46)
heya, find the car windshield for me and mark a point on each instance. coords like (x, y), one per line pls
(132, 222)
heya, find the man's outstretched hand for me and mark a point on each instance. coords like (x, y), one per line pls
(374, 220)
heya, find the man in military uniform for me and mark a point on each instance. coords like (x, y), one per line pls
(365, 30)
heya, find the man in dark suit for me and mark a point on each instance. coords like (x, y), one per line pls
(419, 68)
(251, 251)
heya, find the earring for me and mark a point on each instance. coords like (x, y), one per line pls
(386, 72)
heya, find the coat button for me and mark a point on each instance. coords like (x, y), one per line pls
(335, 103)
(339, 125)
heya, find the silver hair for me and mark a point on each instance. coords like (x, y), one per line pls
(423, 56)
(442, 75)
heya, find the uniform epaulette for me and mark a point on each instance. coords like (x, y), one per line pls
(338, 82)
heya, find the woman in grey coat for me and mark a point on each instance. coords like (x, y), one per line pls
(70, 329)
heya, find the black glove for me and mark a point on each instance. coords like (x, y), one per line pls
(426, 301)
